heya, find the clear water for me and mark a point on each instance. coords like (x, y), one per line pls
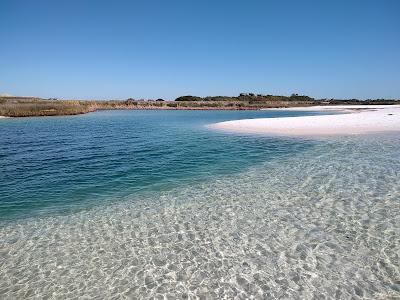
(143, 204)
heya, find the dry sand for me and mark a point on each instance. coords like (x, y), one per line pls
(356, 119)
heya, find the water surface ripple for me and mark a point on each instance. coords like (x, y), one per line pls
(257, 217)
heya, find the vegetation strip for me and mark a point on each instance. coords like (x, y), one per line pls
(33, 106)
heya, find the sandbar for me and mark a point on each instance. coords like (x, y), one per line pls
(353, 119)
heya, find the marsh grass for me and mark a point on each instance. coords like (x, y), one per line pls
(30, 107)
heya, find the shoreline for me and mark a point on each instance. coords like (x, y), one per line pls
(338, 108)
(353, 119)
(39, 107)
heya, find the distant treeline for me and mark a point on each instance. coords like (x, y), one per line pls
(359, 102)
(250, 97)
(247, 97)
(33, 106)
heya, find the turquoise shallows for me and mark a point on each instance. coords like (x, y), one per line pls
(60, 164)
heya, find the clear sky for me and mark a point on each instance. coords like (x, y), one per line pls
(150, 49)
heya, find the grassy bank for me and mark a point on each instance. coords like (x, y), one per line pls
(30, 106)
(27, 107)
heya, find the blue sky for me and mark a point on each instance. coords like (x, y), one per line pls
(151, 49)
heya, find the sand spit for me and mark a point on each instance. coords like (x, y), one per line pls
(356, 119)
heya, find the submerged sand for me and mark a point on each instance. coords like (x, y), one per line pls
(359, 119)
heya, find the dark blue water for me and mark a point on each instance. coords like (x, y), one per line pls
(60, 164)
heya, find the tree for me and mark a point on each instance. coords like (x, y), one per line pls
(189, 98)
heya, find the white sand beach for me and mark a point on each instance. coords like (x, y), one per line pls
(356, 119)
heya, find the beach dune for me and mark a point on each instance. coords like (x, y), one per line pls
(357, 119)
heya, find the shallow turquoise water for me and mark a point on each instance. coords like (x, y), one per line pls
(60, 164)
(153, 205)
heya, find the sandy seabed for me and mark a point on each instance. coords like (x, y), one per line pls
(356, 119)
(319, 222)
